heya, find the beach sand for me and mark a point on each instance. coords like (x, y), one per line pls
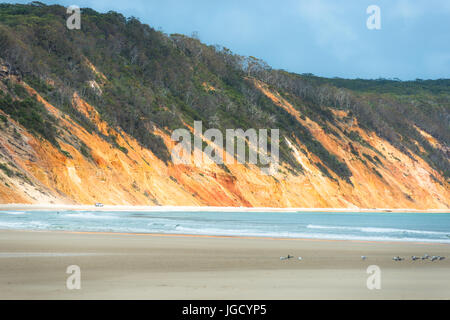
(92, 207)
(33, 265)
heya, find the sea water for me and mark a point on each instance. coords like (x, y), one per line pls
(379, 226)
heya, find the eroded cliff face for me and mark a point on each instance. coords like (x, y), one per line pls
(35, 171)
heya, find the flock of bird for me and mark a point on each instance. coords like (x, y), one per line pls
(396, 258)
(414, 258)
(424, 257)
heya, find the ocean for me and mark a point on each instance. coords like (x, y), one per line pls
(380, 226)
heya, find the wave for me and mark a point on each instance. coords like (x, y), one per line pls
(301, 235)
(89, 215)
(24, 225)
(378, 230)
(14, 212)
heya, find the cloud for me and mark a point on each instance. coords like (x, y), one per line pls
(328, 23)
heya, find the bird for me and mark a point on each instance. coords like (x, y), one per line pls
(287, 257)
(397, 258)
(434, 258)
(441, 258)
(363, 257)
(299, 258)
(414, 258)
(425, 256)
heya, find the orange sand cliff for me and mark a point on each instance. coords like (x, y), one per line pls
(45, 175)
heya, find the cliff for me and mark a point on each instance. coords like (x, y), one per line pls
(84, 122)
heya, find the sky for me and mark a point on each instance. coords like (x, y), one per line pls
(328, 38)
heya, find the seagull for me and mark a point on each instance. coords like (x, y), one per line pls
(285, 258)
(397, 258)
(425, 256)
(434, 258)
(363, 257)
(414, 258)
(441, 258)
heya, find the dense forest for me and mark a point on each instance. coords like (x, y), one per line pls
(158, 80)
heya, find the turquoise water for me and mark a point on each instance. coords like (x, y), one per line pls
(423, 227)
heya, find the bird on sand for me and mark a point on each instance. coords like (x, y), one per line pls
(397, 258)
(363, 257)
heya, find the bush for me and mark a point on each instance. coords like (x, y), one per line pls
(32, 115)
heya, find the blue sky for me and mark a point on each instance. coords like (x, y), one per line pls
(324, 37)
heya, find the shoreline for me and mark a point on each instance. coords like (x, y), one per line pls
(211, 236)
(70, 207)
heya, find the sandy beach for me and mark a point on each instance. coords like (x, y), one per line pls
(92, 207)
(141, 266)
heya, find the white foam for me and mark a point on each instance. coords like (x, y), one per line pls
(377, 230)
(14, 212)
(24, 225)
(89, 215)
(301, 235)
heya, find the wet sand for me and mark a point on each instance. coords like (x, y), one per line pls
(33, 265)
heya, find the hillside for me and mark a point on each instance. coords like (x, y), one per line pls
(86, 116)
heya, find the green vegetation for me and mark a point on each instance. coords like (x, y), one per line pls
(32, 115)
(67, 154)
(3, 119)
(12, 173)
(85, 150)
(377, 173)
(324, 170)
(6, 170)
(155, 80)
